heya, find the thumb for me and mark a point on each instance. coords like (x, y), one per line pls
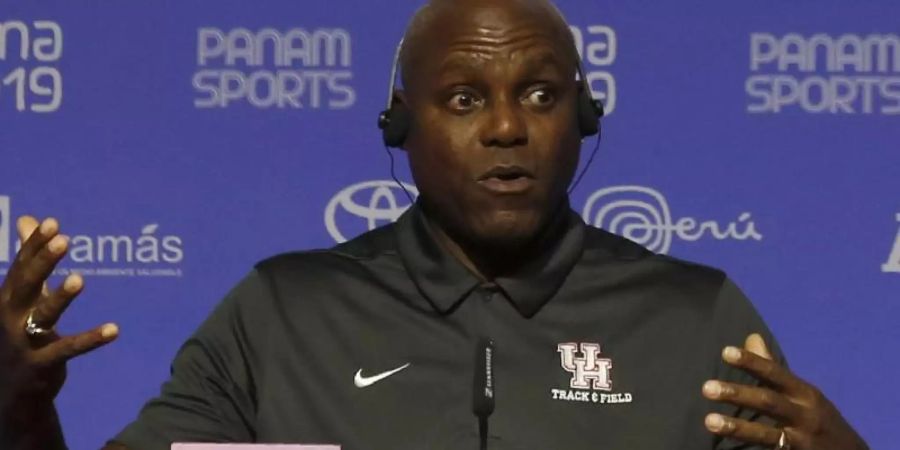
(757, 345)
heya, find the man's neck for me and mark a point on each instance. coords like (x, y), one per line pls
(488, 260)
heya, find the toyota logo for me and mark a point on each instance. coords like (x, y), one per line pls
(365, 206)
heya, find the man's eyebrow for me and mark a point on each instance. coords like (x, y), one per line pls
(548, 59)
(467, 61)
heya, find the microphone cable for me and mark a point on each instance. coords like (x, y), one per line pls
(394, 176)
(586, 165)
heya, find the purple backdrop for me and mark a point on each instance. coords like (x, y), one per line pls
(181, 141)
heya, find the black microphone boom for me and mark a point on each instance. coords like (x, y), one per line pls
(483, 391)
(483, 388)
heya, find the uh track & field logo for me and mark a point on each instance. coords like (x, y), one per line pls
(591, 379)
(143, 254)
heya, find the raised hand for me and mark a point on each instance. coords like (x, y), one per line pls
(32, 354)
(808, 420)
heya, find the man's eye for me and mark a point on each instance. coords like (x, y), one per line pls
(540, 97)
(462, 101)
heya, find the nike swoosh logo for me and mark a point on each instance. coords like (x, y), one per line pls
(360, 381)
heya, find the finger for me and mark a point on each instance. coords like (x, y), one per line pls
(29, 276)
(764, 369)
(35, 237)
(26, 226)
(48, 311)
(756, 344)
(742, 430)
(761, 399)
(69, 347)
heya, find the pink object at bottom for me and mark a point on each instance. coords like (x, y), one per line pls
(254, 447)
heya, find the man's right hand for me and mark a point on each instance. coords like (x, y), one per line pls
(34, 366)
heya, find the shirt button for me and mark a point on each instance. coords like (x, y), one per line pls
(488, 290)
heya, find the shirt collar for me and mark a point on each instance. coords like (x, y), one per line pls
(445, 282)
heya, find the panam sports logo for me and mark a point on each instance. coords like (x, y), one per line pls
(639, 213)
(892, 265)
(269, 68)
(5, 225)
(846, 74)
(143, 254)
(31, 52)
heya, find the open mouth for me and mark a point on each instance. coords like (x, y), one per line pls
(506, 173)
(507, 179)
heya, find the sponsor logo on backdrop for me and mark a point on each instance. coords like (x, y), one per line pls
(598, 48)
(143, 253)
(5, 225)
(639, 213)
(590, 373)
(31, 51)
(820, 73)
(365, 206)
(893, 262)
(642, 214)
(268, 68)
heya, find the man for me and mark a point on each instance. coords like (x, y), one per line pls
(491, 251)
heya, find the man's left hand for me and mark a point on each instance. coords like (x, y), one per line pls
(808, 419)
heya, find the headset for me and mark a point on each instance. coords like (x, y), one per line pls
(396, 119)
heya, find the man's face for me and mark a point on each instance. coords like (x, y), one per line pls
(494, 142)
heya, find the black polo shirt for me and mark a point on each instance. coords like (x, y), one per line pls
(599, 344)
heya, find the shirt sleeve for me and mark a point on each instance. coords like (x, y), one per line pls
(734, 319)
(209, 396)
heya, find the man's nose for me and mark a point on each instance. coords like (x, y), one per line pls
(505, 125)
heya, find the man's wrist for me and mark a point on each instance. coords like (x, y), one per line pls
(32, 429)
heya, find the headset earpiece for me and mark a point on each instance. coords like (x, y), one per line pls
(395, 120)
(394, 124)
(589, 113)
(589, 110)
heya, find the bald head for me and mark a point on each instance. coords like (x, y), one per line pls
(500, 19)
(493, 137)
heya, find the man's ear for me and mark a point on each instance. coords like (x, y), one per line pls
(402, 113)
(400, 97)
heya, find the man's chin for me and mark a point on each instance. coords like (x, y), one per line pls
(507, 229)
